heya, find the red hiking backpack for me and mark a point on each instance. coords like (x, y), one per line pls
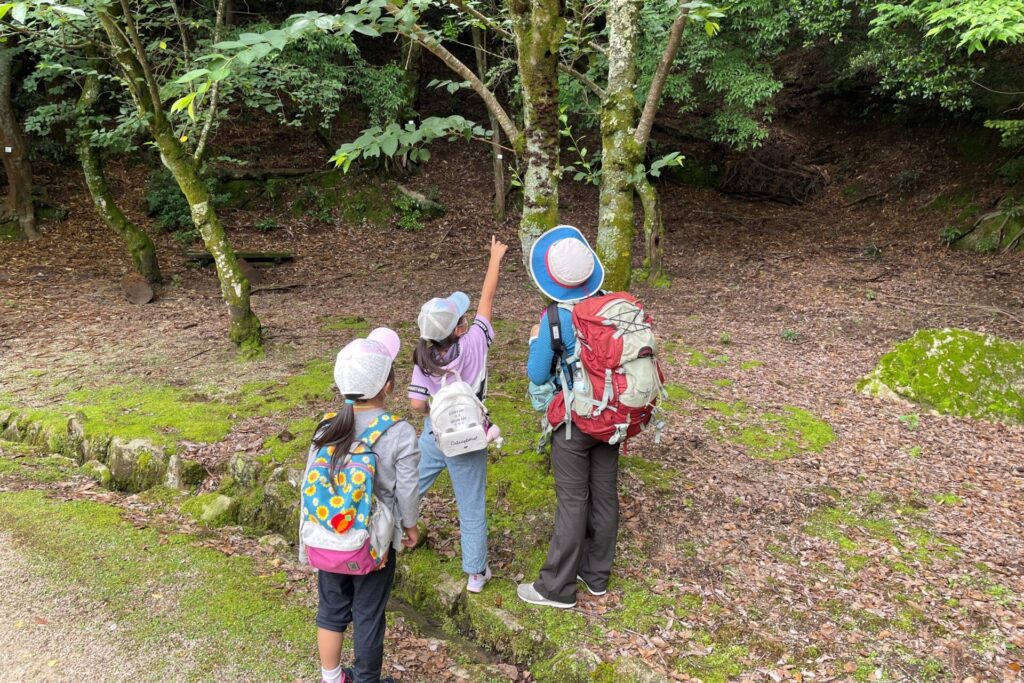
(616, 380)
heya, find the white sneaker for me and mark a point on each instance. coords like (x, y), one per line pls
(527, 593)
(476, 582)
(587, 586)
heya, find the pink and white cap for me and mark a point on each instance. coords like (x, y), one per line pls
(362, 368)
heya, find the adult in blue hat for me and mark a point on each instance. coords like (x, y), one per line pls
(565, 269)
(563, 266)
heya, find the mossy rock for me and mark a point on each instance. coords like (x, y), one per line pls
(420, 582)
(274, 506)
(570, 665)
(98, 471)
(636, 670)
(212, 509)
(184, 474)
(954, 372)
(239, 192)
(12, 429)
(136, 465)
(245, 470)
(995, 233)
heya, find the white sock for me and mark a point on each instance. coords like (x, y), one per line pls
(331, 675)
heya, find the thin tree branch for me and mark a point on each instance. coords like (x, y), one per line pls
(141, 58)
(675, 34)
(483, 18)
(582, 78)
(456, 65)
(184, 35)
(124, 55)
(211, 113)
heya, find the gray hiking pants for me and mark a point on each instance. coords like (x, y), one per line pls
(587, 517)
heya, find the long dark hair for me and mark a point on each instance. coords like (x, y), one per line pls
(428, 354)
(341, 431)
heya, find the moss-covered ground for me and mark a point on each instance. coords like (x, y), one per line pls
(165, 586)
(167, 415)
(666, 587)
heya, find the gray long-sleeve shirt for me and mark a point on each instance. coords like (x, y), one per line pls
(396, 483)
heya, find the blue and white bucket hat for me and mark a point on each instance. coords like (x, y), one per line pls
(563, 265)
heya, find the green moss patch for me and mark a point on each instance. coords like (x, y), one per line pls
(166, 415)
(1001, 230)
(315, 384)
(770, 435)
(36, 468)
(654, 476)
(774, 435)
(347, 323)
(239, 625)
(956, 372)
(724, 661)
(291, 449)
(860, 528)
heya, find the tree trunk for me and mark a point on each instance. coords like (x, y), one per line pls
(538, 26)
(620, 153)
(654, 230)
(245, 330)
(140, 246)
(15, 153)
(480, 47)
(245, 327)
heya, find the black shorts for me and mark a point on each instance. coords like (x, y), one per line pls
(366, 596)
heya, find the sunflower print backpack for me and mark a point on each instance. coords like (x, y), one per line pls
(344, 528)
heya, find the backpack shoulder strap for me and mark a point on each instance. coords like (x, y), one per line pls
(555, 334)
(376, 429)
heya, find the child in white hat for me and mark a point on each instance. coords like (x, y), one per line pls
(451, 345)
(365, 376)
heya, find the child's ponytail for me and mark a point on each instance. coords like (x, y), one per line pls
(428, 354)
(340, 434)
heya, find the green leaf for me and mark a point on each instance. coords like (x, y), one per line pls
(73, 11)
(367, 30)
(20, 12)
(229, 45)
(183, 102)
(193, 75)
(5, 8)
(424, 154)
(389, 146)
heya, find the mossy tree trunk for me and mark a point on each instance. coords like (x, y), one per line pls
(140, 246)
(624, 141)
(654, 229)
(620, 152)
(538, 26)
(245, 330)
(15, 153)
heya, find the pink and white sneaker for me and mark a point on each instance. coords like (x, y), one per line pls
(476, 582)
(494, 436)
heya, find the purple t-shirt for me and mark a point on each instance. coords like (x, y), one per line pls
(467, 357)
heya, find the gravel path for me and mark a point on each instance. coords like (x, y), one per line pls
(59, 635)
